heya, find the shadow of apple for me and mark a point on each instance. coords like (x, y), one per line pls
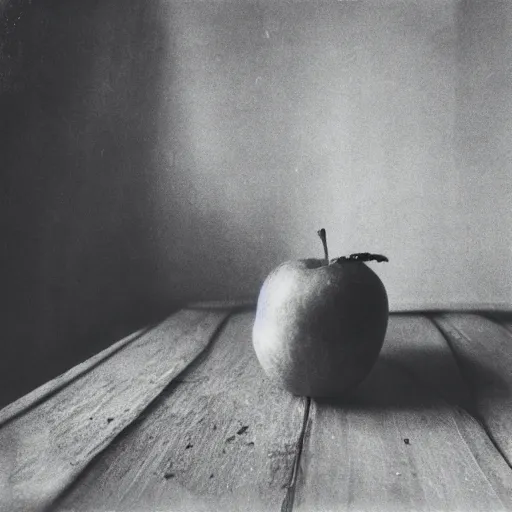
(417, 378)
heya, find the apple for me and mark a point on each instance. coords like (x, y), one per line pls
(320, 324)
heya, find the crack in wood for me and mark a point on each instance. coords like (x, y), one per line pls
(289, 499)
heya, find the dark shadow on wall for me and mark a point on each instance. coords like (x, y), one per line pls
(107, 217)
(220, 158)
(79, 92)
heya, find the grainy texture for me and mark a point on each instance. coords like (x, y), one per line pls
(404, 441)
(233, 305)
(484, 351)
(506, 321)
(43, 450)
(222, 439)
(426, 431)
(55, 385)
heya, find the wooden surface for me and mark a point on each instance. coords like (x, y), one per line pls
(429, 429)
(45, 448)
(483, 348)
(52, 387)
(222, 439)
(404, 442)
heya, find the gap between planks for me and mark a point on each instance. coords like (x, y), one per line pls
(289, 499)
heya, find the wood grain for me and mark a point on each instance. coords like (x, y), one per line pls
(43, 450)
(41, 393)
(404, 441)
(484, 351)
(222, 439)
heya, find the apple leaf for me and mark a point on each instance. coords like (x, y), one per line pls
(361, 256)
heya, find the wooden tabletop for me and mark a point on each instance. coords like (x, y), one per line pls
(180, 417)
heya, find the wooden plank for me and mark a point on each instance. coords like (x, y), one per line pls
(403, 441)
(433, 306)
(43, 450)
(55, 385)
(223, 439)
(484, 351)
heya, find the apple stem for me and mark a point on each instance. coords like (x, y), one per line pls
(323, 236)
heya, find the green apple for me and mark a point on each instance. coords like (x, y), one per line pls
(320, 324)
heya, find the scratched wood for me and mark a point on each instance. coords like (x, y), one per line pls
(483, 348)
(405, 440)
(222, 439)
(45, 448)
(49, 388)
